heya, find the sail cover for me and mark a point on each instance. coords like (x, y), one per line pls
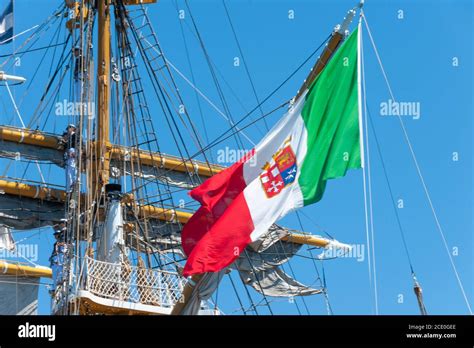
(317, 140)
(171, 177)
(18, 151)
(28, 152)
(18, 295)
(27, 213)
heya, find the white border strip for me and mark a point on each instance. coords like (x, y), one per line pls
(359, 91)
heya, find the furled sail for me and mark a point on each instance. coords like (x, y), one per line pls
(25, 213)
(30, 152)
(273, 282)
(19, 143)
(261, 269)
(173, 178)
(18, 295)
(202, 291)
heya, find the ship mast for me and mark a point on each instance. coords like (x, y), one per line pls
(102, 152)
(101, 161)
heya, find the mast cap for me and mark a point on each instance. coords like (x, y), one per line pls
(113, 188)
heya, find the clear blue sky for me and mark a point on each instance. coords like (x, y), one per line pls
(417, 52)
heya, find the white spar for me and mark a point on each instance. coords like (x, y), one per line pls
(5, 77)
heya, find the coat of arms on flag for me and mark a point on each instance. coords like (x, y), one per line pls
(280, 172)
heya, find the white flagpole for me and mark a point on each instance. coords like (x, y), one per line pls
(359, 90)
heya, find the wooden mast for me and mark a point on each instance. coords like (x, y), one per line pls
(101, 161)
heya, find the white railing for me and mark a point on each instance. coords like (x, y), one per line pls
(133, 284)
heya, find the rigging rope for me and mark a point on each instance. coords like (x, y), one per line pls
(214, 78)
(244, 61)
(417, 287)
(252, 304)
(33, 50)
(135, 80)
(197, 90)
(221, 138)
(265, 124)
(267, 98)
(321, 229)
(188, 58)
(32, 79)
(418, 169)
(53, 16)
(367, 182)
(225, 138)
(237, 294)
(322, 283)
(161, 94)
(258, 281)
(326, 295)
(14, 105)
(392, 197)
(23, 125)
(229, 86)
(194, 132)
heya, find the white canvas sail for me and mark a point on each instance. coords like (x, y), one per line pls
(112, 243)
(6, 239)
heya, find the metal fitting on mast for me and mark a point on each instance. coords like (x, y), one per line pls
(113, 191)
(343, 28)
(339, 33)
(5, 77)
